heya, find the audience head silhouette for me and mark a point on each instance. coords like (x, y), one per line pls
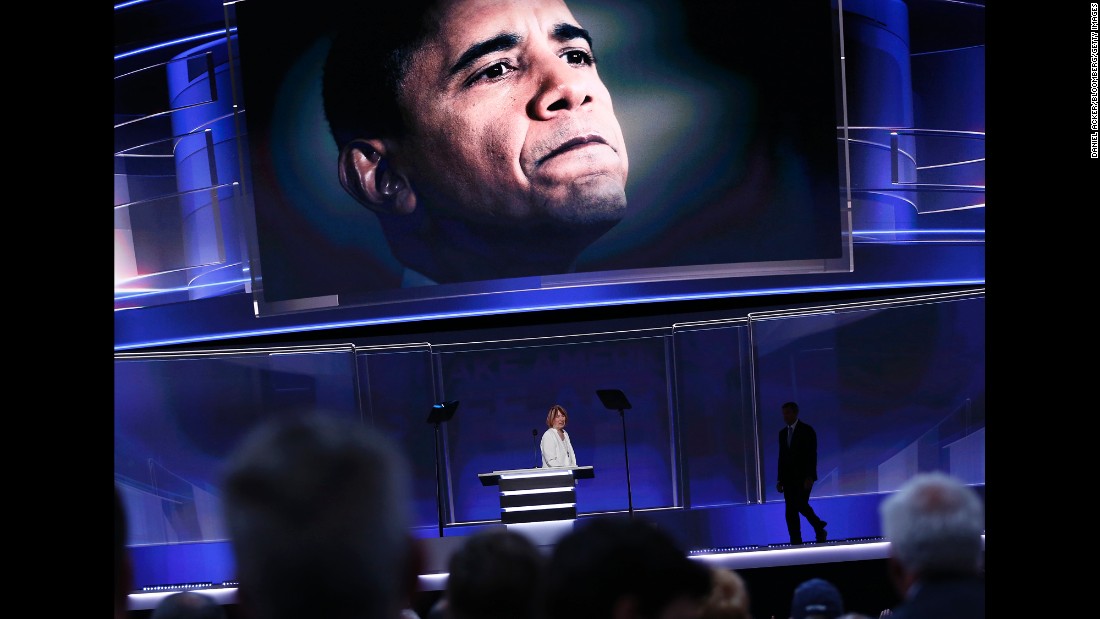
(496, 574)
(624, 569)
(934, 524)
(188, 605)
(317, 511)
(729, 596)
(816, 598)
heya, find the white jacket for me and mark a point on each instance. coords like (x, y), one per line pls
(555, 451)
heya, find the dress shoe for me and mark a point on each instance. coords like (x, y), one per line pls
(820, 531)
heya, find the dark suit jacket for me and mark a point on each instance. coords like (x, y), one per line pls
(798, 461)
(955, 598)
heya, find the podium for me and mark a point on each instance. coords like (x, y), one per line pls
(537, 495)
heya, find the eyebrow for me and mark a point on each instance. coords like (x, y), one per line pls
(567, 32)
(561, 32)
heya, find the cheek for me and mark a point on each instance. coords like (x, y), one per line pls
(471, 155)
(480, 149)
(491, 131)
(495, 145)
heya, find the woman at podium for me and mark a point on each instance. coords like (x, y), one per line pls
(557, 451)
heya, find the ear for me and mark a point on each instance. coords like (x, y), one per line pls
(367, 174)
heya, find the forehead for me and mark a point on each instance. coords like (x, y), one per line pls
(461, 23)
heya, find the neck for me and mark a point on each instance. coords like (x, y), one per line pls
(473, 252)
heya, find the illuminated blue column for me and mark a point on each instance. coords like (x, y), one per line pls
(207, 163)
(949, 95)
(879, 94)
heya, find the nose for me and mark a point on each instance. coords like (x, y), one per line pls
(560, 87)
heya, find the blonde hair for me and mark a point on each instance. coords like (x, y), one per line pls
(554, 410)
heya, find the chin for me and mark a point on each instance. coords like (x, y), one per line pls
(594, 202)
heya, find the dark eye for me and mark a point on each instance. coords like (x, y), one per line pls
(492, 72)
(579, 56)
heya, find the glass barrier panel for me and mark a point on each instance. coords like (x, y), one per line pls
(891, 389)
(178, 417)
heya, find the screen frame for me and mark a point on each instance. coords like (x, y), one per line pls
(599, 287)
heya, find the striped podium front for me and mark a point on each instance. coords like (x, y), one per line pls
(537, 495)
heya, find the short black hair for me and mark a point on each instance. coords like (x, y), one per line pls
(608, 558)
(791, 405)
(188, 605)
(496, 574)
(369, 57)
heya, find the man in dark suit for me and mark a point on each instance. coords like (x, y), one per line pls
(798, 472)
(934, 524)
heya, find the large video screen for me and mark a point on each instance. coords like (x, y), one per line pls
(493, 147)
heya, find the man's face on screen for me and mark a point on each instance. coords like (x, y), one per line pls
(509, 123)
